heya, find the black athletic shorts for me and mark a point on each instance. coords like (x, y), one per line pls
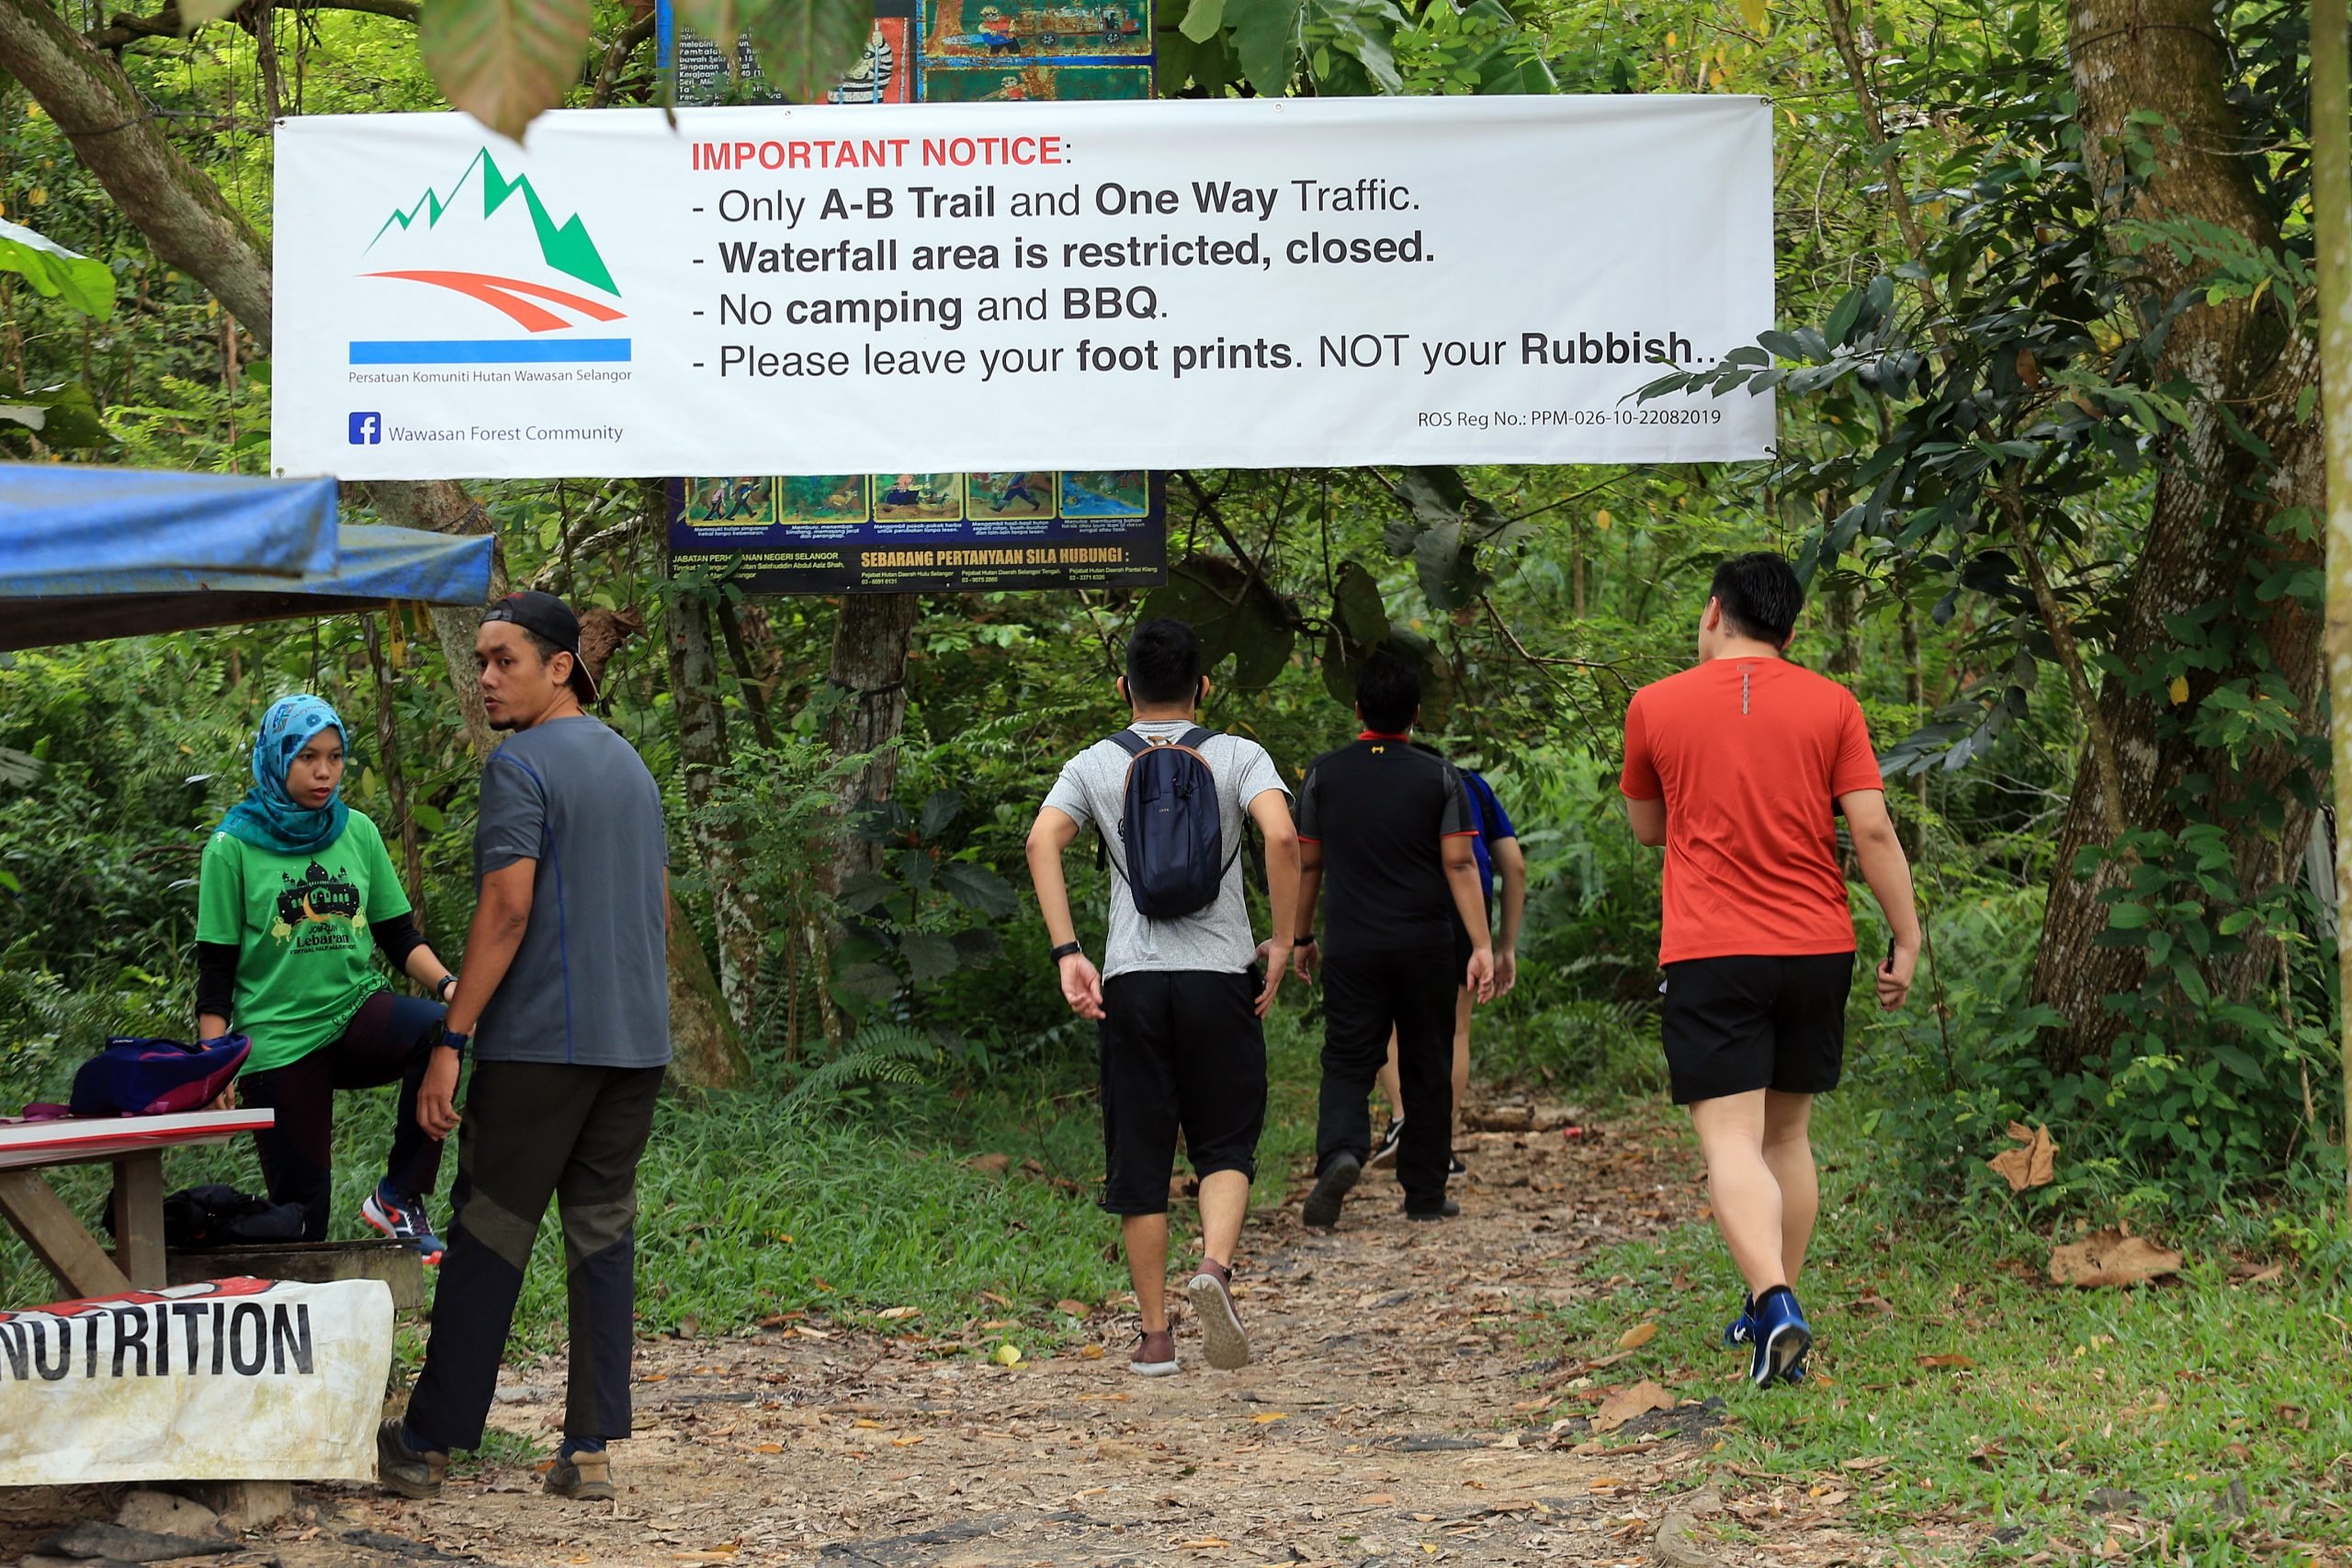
(1734, 1025)
(1182, 1050)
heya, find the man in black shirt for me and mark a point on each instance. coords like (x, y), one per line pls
(1389, 827)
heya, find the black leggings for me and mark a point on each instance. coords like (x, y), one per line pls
(388, 1038)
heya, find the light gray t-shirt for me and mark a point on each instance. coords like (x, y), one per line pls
(1092, 791)
(591, 983)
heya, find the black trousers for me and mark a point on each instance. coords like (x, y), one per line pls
(385, 1041)
(1365, 996)
(533, 1131)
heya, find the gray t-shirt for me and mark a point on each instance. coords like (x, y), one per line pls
(590, 985)
(1093, 792)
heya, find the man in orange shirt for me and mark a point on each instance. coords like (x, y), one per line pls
(1740, 767)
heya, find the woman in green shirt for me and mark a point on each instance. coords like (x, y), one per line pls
(295, 889)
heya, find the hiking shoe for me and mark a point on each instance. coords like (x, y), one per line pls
(401, 1217)
(1384, 1153)
(1155, 1354)
(1331, 1189)
(1781, 1337)
(1445, 1211)
(1741, 1330)
(1453, 1165)
(402, 1467)
(1211, 1294)
(586, 1477)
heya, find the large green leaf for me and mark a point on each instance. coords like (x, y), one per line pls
(1203, 19)
(1265, 36)
(808, 45)
(55, 271)
(1262, 646)
(504, 61)
(61, 416)
(1362, 30)
(1356, 596)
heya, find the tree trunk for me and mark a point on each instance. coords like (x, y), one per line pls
(869, 672)
(192, 226)
(707, 1050)
(703, 754)
(2332, 219)
(2214, 500)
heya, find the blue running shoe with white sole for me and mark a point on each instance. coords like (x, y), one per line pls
(1782, 1337)
(401, 1217)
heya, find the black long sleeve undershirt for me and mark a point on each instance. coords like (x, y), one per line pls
(216, 962)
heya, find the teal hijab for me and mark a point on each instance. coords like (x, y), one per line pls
(268, 818)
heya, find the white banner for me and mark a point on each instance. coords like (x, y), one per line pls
(236, 1380)
(971, 287)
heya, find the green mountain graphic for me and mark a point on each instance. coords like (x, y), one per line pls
(565, 246)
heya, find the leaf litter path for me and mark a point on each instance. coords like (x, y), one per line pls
(1401, 1410)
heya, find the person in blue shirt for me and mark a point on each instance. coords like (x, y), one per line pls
(1500, 861)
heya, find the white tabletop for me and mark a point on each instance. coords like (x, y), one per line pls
(78, 1139)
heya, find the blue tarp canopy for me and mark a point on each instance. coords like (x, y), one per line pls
(88, 553)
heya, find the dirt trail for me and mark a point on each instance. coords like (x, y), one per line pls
(1392, 1417)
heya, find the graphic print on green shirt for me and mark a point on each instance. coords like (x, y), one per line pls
(305, 959)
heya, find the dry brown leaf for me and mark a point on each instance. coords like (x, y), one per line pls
(1874, 1462)
(1379, 1498)
(2110, 1258)
(1071, 1305)
(990, 1165)
(1624, 1404)
(892, 1314)
(1090, 1352)
(768, 1448)
(1947, 1359)
(1206, 1540)
(1636, 1336)
(2034, 1163)
(1269, 1416)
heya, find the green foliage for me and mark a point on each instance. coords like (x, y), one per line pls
(55, 271)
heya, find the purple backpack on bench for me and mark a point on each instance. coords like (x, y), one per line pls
(135, 1076)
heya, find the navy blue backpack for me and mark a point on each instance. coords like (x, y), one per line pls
(1171, 831)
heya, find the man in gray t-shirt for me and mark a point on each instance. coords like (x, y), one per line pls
(566, 979)
(1182, 1047)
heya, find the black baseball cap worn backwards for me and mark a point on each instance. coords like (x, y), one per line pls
(551, 620)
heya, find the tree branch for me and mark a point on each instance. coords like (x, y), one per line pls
(632, 36)
(125, 30)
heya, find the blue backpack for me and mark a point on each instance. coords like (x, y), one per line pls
(1171, 831)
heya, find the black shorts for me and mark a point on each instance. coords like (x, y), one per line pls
(1182, 1050)
(1734, 1025)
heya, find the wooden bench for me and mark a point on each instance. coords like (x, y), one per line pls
(134, 1146)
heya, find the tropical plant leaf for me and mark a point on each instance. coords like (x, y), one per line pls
(1265, 37)
(61, 416)
(929, 956)
(1202, 19)
(974, 886)
(1360, 612)
(55, 271)
(808, 45)
(505, 62)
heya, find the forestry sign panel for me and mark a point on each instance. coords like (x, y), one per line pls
(1082, 285)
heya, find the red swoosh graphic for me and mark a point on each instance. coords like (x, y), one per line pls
(500, 294)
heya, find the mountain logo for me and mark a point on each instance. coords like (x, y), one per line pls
(492, 241)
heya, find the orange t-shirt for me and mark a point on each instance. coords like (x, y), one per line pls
(1750, 756)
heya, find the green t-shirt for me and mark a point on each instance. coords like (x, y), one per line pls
(305, 956)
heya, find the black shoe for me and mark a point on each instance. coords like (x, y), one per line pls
(1453, 1165)
(1445, 1210)
(1384, 1153)
(1331, 1188)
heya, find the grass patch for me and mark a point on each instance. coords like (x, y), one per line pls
(2201, 1421)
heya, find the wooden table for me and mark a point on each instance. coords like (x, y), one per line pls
(134, 1146)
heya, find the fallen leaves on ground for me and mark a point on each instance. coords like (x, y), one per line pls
(1636, 1336)
(1948, 1360)
(2034, 1163)
(2110, 1258)
(1623, 1404)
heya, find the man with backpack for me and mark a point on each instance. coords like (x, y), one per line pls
(1182, 1047)
(1390, 828)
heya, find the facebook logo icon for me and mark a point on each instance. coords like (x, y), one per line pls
(366, 429)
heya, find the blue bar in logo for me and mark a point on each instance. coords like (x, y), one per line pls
(492, 351)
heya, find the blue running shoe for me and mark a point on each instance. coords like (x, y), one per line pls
(1781, 1337)
(1741, 1330)
(401, 1217)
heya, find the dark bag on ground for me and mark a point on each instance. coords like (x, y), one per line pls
(197, 1218)
(137, 1076)
(1171, 834)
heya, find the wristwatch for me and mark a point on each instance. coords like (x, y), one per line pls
(455, 1042)
(1306, 941)
(441, 987)
(1065, 950)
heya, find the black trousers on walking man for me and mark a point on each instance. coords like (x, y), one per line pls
(1365, 996)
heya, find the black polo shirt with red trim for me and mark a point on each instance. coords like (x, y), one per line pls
(1382, 809)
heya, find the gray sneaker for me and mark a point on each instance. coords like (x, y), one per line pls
(586, 1477)
(409, 1471)
(1222, 1336)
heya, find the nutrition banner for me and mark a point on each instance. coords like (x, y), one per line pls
(1010, 286)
